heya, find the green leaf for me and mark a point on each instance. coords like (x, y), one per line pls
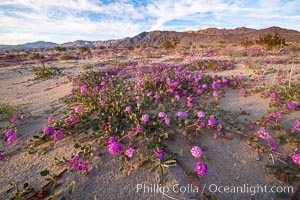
(180, 152)
(18, 198)
(72, 187)
(214, 197)
(25, 185)
(77, 146)
(44, 173)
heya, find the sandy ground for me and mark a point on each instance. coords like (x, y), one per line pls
(231, 163)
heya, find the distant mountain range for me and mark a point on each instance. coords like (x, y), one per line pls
(154, 38)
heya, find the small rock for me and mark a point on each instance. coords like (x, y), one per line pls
(258, 157)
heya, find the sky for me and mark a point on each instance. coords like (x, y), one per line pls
(62, 21)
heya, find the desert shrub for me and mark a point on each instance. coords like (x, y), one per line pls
(167, 44)
(46, 72)
(170, 43)
(271, 41)
(60, 49)
(247, 43)
(87, 66)
(84, 50)
(34, 56)
(130, 47)
(66, 57)
(7, 111)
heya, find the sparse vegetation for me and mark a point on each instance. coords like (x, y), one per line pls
(271, 41)
(7, 111)
(46, 72)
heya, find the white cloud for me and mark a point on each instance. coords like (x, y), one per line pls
(66, 20)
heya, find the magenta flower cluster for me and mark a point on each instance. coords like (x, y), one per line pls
(264, 134)
(145, 117)
(201, 168)
(10, 136)
(114, 147)
(76, 163)
(297, 126)
(129, 152)
(196, 151)
(160, 154)
(78, 109)
(296, 158)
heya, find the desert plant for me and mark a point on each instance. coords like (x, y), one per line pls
(84, 49)
(46, 72)
(270, 41)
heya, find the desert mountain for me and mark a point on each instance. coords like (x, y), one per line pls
(206, 36)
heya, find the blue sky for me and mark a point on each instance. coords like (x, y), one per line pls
(61, 21)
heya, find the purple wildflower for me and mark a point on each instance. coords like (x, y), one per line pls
(115, 147)
(83, 166)
(216, 93)
(138, 128)
(74, 162)
(292, 106)
(83, 89)
(129, 152)
(196, 151)
(14, 120)
(48, 130)
(9, 132)
(296, 158)
(138, 97)
(50, 119)
(162, 114)
(215, 85)
(212, 122)
(1, 156)
(219, 127)
(202, 123)
(297, 126)
(277, 115)
(263, 133)
(78, 109)
(190, 104)
(111, 139)
(102, 101)
(273, 145)
(97, 88)
(145, 117)
(157, 96)
(167, 120)
(73, 118)
(273, 95)
(201, 114)
(182, 114)
(58, 135)
(201, 168)
(128, 108)
(11, 138)
(242, 90)
(160, 154)
(224, 80)
(72, 91)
